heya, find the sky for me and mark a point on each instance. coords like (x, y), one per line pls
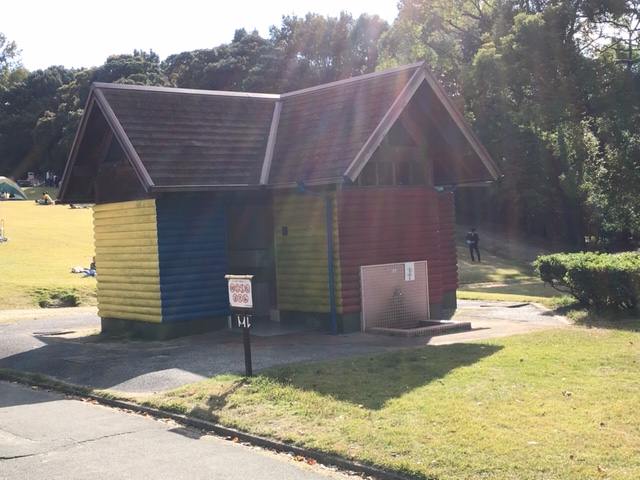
(78, 34)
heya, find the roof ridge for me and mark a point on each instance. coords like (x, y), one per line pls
(358, 78)
(183, 91)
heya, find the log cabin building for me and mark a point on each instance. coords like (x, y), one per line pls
(301, 190)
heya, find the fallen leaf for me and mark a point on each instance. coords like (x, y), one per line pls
(566, 393)
(299, 458)
(601, 470)
(235, 440)
(311, 461)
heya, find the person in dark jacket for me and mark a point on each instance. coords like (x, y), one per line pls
(472, 240)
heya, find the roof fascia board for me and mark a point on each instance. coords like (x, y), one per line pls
(309, 183)
(182, 91)
(271, 144)
(464, 126)
(478, 183)
(202, 188)
(120, 134)
(385, 125)
(76, 144)
(359, 78)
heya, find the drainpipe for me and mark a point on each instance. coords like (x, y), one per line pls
(332, 300)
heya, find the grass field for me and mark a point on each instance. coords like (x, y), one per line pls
(45, 241)
(557, 404)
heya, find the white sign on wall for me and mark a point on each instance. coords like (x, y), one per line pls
(409, 271)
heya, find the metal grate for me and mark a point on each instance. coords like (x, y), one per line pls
(395, 295)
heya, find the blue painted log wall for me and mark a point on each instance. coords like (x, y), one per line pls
(192, 254)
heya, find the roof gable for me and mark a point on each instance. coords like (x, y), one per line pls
(195, 138)
(322, 130)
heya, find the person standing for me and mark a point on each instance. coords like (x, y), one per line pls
(472, 240)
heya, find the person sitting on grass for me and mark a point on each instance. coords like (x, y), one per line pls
(45, 200)
(91, 271)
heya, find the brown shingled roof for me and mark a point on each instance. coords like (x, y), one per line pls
(177, 139)
(322, 129)
(194, 138)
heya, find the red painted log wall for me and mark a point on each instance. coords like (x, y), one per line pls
(448, 255)
(379, 226)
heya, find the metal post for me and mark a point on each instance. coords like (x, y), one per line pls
(247, 351)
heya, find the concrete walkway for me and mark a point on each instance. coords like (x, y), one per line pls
(69, 348)
(47, 435)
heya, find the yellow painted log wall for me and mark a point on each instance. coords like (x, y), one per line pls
(127, 263)
(301, 255)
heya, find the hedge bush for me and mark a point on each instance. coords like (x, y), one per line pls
(596, 280)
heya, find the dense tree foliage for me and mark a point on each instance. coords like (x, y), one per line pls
(551, 86)
(40, 111)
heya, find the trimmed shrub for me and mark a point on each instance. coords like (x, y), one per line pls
(596, 280)
(56, 298)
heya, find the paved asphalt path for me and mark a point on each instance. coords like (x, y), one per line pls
(45, 435)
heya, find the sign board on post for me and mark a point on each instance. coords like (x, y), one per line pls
(240, 291)
(241, 305)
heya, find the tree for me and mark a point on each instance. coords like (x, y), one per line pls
(532, 78)
(317, 49)
(139, 68)
(28, 130)
(249, 63)
(11, 69)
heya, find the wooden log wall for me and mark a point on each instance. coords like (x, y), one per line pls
(127, 261)
(300, 239)
(192, 253)
(448, 253)
(380, 226)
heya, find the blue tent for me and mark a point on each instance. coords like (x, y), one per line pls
(12, 188)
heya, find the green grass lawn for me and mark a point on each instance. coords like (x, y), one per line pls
(557, 404)
(500, 278)
(45, 241)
